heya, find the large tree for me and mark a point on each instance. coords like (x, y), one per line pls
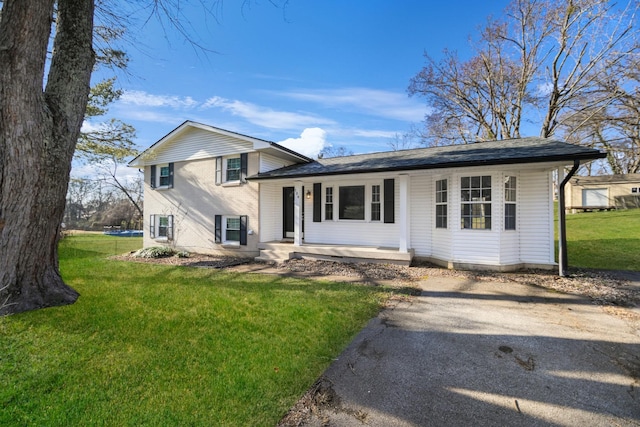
(539, 64)
(40, 119)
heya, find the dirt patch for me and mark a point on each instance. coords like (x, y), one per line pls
(193, 260)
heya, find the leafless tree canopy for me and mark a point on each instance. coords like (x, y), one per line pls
(568, 68)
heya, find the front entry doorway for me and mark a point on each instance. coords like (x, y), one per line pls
(288, 202)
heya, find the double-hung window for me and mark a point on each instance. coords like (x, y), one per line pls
(475, 194)
(233, 169)
(375, 203)
(161, 227)
(351, 203)
(161, 176)
(441, 203)
(510, 203)
(232, 230)
(164, 176)
(328, 203)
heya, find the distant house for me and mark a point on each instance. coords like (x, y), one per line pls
(587, 193)
(485, 205)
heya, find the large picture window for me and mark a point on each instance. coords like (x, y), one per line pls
(475, 193)
(510, 203)
(441, 203)
(351, 203)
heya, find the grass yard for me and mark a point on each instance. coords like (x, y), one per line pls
(604, 240)
(165, 345)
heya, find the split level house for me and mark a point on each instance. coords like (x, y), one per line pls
(484, 205)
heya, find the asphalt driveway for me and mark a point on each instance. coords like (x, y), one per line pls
(486, 354)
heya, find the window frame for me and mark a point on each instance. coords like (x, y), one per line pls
(476, 202)
(442, 201)
(342, 207)
(227, 169)
(329, 204)
(226, 229)
(155, 227)
(156, 176)
(510, 203)
(374, 203)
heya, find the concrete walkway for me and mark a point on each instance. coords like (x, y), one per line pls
(487, 354)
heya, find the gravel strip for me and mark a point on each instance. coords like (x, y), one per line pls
(603, 287)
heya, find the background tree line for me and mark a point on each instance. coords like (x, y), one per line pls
(565, 69)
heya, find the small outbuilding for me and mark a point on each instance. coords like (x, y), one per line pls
(605, 192)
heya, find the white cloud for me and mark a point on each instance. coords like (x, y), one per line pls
(382, 103)
(374, 133)
(144, 99)
(310, 143)
(263, 116)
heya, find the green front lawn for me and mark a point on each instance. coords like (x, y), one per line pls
(160, 345)
(604, 240)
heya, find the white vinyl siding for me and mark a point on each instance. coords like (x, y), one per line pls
(270, 212)
(197, 144)
(352, 232)
(269, 162)
(536, 217)
(530, 243)
(421, 218)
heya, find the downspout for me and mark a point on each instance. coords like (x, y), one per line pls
(562, 237)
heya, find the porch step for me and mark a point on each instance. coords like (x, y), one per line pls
(279, 252)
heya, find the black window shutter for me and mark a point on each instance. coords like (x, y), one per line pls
(152, 178)
(244, 159)
(218, 231)
(170, 175)
(152, 226)
(243, 229)
(218, 170)
(317, 202)
(389, 198)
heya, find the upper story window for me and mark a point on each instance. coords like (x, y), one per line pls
(510, 203)
(161, 176)
(164, 176)
(475, 194)
(233, 169)
(441, 203)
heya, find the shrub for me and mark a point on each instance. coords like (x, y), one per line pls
(154, 252)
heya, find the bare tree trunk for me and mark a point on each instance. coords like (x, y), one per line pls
(38, 133)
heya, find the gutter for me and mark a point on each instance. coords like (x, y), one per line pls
(562, 237)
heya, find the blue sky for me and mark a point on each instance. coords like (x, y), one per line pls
(311, 74)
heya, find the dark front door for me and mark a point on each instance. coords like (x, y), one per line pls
(287, 211)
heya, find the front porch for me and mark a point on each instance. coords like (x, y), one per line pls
(283, 250)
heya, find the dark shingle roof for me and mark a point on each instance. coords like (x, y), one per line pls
(511, 151)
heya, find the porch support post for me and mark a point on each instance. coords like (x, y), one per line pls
(403, 217)
(297, 214)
